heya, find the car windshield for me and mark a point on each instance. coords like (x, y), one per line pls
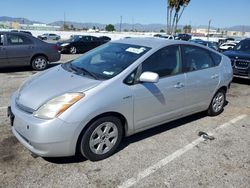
(243, 46)
(108, 60)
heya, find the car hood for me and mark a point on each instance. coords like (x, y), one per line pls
(237, 54)
(44, 86)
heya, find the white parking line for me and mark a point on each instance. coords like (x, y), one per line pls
(3, 107)
(150, 170)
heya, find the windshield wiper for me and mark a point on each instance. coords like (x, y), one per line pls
(75, 68)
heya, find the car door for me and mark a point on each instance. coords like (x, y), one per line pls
(19, 49)
(83, 44)
(155, 103)
(3, 54)
(202, 77)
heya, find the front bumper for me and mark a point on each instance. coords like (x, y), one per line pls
(46, 138)
(239, 71)
(64, 49)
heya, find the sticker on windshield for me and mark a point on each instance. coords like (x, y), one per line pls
(135, 50)
(108, 73)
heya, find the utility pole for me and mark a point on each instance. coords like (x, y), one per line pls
(121, 24)
(133, 25)
(208, 30)
(64, 22)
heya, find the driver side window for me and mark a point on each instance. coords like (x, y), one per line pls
(165, 62)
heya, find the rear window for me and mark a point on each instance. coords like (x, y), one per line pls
(216, 58)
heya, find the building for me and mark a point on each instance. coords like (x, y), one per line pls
(38, 26)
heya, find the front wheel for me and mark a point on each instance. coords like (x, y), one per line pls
(72, 50)
(217, 104)
(102, 138)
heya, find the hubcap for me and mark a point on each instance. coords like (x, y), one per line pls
(103, 138)
(73, 50)
(40, 63)
(218, 102)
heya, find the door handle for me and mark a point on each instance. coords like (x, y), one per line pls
(179, 85)
(31, 47)
(215, 76)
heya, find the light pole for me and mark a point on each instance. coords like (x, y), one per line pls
(208, 30)
(121, 24)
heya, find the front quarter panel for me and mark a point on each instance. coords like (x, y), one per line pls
(106, 97)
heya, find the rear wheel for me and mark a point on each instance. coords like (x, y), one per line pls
(102, 138)
(39, 63)
(217, 103)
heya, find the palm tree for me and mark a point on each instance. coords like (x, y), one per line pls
(176, 5)
(170, 8)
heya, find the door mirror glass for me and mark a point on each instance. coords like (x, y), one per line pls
(149, 77)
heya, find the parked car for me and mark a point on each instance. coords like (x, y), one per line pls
(185, 37)
(105, 38)
(20, 49)
(124, 87)
(169, 37)
(240, 59)
(206, 43)
(227, 46)
(49, 36)
(80, 44)
(22, 31)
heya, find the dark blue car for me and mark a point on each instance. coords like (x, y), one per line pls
(240, 59)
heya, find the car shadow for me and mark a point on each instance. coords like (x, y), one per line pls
(134, 138)
(23, 69)
(241, 81)
(65, 160)
(159, 129)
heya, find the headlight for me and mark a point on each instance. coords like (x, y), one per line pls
(57, 106)
(64, 44)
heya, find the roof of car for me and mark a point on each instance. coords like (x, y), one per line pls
(14, 32)
(151, 42)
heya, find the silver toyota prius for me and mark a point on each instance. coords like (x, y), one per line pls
(123, 87)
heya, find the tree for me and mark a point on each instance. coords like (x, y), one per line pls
(187, 29)
(72, 27)
(110, 27)
(162, 31)
(65, 27)
(175, 9)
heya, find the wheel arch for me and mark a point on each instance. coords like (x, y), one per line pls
(115, 114)
(36, 55)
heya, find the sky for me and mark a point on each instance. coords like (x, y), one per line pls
(223, 13)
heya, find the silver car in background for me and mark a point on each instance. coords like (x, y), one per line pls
(49, 36)
(118, 89)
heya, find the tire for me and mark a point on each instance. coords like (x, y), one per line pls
(217, 104)
(72, 50)
(101, 139)
(39, 63)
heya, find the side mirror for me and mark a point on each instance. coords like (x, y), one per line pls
(149, 77)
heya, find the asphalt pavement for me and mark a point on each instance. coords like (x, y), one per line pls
(171, 155)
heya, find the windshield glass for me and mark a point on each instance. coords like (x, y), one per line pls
(243, 46)
(108, 60)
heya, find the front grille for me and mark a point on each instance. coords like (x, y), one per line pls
(242, 64)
